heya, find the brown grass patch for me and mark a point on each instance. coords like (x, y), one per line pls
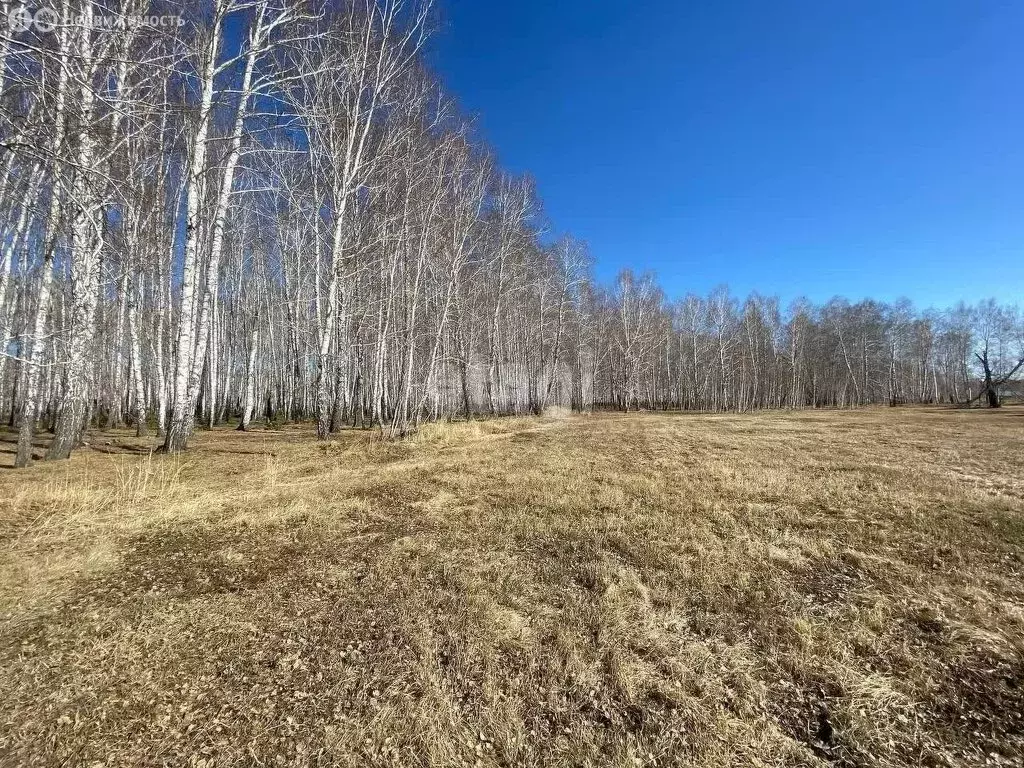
(810, 588)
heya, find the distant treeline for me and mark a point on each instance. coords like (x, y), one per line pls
(273, 210)
(722, 353)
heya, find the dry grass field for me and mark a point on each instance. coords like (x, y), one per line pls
(810, 588)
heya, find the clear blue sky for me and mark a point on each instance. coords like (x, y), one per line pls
(813, 148)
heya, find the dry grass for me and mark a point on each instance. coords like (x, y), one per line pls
(775, 589)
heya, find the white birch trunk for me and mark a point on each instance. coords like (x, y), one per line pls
(179, 429)
(30, 402)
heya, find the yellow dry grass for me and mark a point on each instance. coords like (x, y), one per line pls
(811, 588)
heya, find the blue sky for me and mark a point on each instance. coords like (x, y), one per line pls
(857, 148)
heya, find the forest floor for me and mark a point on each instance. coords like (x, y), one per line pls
(809, 588)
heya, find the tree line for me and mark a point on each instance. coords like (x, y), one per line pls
(273, 210)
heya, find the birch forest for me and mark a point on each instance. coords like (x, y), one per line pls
(267, 211)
